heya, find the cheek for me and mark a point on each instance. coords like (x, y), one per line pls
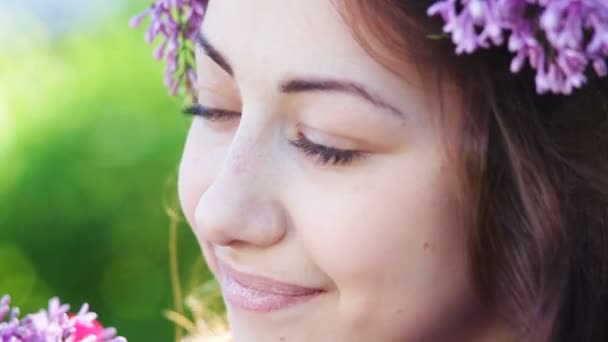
(202, 157)
(394, 246)
(409, 220)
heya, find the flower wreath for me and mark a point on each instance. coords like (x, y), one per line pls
(560, 39)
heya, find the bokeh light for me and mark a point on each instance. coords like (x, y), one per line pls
(89, 140)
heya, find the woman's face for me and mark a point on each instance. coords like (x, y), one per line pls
(320, 191)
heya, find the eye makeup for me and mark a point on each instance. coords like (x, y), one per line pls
(324, 155)
(211, 114)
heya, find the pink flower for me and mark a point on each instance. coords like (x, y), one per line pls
(53, 325)
(83, 330)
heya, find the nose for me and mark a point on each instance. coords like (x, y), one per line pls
(240, 207)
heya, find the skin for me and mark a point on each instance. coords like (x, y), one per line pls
(382, 235)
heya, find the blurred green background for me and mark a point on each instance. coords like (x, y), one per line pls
(89, 147)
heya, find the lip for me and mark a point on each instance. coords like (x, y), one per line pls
(260, 294)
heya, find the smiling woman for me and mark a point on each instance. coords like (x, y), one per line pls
(327, 213)
(350, 179)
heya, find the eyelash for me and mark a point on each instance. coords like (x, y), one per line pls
(325, 155)
(210, 114)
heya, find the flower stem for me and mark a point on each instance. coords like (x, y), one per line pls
(174, 269)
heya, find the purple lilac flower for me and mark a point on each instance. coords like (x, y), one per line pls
(177, 23)
(51, 325)
(560, 39)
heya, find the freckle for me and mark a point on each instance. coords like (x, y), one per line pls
(426, 246)
(281, 338)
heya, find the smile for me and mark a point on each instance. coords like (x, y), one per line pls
(260, 294)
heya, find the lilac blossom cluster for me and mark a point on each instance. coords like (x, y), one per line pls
(177, 22)
(52, 325)
(558, 38)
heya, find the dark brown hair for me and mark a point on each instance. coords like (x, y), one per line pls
(536, 173)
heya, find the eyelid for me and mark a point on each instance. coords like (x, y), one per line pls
(321, 138)
(320, 152)
(326, 155)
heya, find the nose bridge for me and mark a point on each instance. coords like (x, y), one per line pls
(248, 157)
(238, 205)
(244, 162)
(240, 165)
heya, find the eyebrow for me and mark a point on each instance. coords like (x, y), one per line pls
(213, 53)
(304, 85)
(343, 86)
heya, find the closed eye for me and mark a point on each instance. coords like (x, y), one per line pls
(324, 154)
(211, 114)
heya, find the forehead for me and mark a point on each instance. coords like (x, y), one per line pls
(267, 41)
(271, 30)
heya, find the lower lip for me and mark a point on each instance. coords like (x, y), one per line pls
(257, 301)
